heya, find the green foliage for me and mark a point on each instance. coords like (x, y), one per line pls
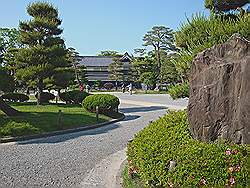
(149, 78)
(179, 90)
(18, 129)
(197, 163)
(45, 117)
(141, 65)
(73, 97)
(109, 53)
(44, 51)
(161, 39)
(105, 102)
(46, 97)
(7, 83)
(15, 97)
(116, 70)
(9, 40)
(203, 32)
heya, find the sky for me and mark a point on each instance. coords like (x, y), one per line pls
(91, 26)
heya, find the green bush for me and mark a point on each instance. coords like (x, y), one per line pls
(179, 90)
(105, 102)
(15, 97)
(197, 163)
(73, 97)
(46, 97)
(18, 129)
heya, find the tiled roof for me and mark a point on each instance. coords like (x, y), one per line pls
(95, 60)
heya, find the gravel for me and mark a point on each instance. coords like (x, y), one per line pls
(65, 160)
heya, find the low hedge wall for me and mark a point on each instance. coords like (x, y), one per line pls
(15, 97)
(198, 164)
(73, 97)
(105, 102)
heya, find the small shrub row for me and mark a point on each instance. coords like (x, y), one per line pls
(105, 102)
(46, 97)
(179, 90)
(15, 97)
(216, 164)
(108, 86)
(18, 129)
(73, 97)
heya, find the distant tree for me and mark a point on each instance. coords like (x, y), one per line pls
(44, 50)
(149, 78)
(9, 40)
(224, 5)
(161, 39)
(141, 65)
(109, 53)
(140, 51)
(79, 70)
(116, 71)
(6, 85)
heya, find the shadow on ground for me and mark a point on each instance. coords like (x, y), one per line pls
(142, 109)
(70, 136)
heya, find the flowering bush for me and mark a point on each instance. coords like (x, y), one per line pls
(197, 163)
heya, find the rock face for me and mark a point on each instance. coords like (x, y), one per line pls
(219, 103)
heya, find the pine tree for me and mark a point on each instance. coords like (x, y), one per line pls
(44, 50)
(116, 71)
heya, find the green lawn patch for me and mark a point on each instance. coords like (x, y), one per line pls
(44, 118)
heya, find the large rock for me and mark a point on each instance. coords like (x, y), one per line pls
(219, 103)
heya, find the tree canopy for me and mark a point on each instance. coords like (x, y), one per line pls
(44, 50)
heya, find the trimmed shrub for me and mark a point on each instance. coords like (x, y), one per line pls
(108, 86)
(179, 90)
(15, 97)
(105, 102)
(168, 139)
(46, 97)
(18, 129)
(73, 97)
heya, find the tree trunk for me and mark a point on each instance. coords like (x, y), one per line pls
(8, 110)
(39, 91)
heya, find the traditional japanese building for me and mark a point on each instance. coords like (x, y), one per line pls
(97, 66)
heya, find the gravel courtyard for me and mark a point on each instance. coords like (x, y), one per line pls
(63, 161)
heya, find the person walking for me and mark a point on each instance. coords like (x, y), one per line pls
(123, 88)
(130, 88)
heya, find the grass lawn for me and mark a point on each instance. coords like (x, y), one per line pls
(45, 117)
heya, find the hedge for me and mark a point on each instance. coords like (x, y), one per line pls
(73, 97)
(46, 97)
(168, 139)
(179, 90)
(15, 97)
(105, 102)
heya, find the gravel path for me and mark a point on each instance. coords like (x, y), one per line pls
(66, 160)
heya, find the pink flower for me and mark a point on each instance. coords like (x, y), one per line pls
(237, 168)
(235, 151)
(202, 181)
(228, 152)
(232, 180)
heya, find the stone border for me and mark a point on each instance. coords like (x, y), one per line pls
(61, 132)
